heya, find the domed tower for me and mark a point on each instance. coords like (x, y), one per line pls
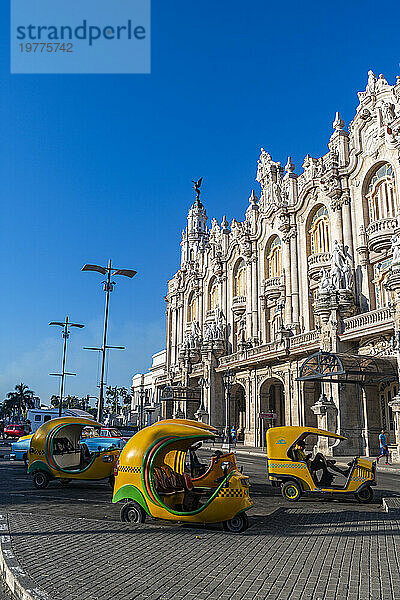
(196, 235)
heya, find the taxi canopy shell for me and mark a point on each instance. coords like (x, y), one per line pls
(71, 428)
(169, 439)
(281, 439)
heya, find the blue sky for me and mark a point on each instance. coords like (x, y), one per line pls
(100, 166)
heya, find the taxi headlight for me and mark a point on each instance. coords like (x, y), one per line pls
(245, 482)
(108, 458)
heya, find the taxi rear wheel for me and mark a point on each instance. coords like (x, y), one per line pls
(132, 512)
(364, 496)
(40, 480)
(291, 491)
(238, 524)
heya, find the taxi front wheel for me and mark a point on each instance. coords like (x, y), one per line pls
(40, 480)
(364, 496)
(132, 512)
(291, 491)
(237, 524)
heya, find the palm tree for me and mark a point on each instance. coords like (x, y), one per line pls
(72, 402)
(21, 398)
(55, 401)
(112, 398)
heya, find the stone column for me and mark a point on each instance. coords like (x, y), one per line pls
(393, 285)
(249, 293)
(395, 406)
(294, 277)
(263, 317)
(347, 229)
(286, 259)
(174, 341)
(200, 308)
(250, 438)
(326, 412)
(337, 223)
(254, 298)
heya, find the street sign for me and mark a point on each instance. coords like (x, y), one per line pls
(269, 415)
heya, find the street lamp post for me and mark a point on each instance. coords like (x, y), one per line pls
(201, 414)
(108, 287)
(66, 325)
(227, 378)
(142, 394)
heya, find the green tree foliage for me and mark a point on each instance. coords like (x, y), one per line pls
(18, 401)
(114, 394)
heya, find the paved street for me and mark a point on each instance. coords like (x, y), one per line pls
(314, 549)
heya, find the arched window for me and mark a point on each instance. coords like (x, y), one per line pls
(275, 322)
(239, 279)
(319, 232)
(381, 271)
(381, 194)
(213, 296)
(192, 308)
(274, 258)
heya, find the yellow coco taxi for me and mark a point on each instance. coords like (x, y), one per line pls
(150, 479)
(57, 452)
(206, 476)
(297, 477)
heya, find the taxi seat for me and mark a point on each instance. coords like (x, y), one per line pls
(165, 485)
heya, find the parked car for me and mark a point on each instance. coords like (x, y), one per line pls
(16, 430)
(19, 449)
(105, 432)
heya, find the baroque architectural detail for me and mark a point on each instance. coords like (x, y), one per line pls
(314, 265)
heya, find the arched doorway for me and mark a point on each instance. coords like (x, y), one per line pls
(272, 402)
(238, 410)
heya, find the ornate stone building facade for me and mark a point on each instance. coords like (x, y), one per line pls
(309, 269)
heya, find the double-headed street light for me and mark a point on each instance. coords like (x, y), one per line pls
(108, 287)
(66, 325)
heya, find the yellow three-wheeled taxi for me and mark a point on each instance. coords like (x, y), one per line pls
(151, 479)
(56, 452)
(296, 477)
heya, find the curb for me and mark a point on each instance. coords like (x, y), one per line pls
(238, 451)
(380, 468)
(18, 581)
(391, 505)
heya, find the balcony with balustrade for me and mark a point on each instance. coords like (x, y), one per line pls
(379, 234)
(316, 262)
(301, 344)
(238, 305)
(368, 323)
(273, 287)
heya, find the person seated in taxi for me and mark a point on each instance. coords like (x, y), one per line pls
(317, 463)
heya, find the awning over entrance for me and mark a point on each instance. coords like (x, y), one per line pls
(348, 368)
(180, 393)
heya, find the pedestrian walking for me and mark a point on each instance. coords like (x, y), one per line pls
(384, 450)
(233, 435)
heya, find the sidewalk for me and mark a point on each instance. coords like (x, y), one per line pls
(341, 460)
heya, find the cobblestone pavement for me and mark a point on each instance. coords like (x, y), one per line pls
(71, 542)
(298, 554)
(4, 591)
